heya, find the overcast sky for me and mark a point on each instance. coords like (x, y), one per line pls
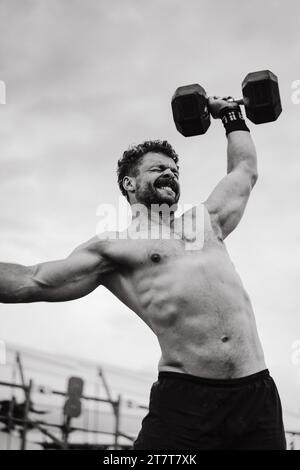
(87, 78)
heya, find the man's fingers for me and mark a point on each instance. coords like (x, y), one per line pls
(228, 98)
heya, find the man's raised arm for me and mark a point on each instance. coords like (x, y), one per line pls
(228, 200)
(55, 281)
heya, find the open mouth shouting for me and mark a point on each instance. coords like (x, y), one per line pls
(167, 186)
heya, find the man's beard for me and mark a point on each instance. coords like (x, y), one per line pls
(152, 194)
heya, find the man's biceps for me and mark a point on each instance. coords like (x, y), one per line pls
(235, 198)
(87, 259)
(222, 192)
(231, 215)
(234, 204)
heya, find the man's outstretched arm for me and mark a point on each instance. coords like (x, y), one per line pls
(55, 281)
(227, 202)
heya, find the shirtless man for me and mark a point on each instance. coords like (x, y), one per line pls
(213, 390)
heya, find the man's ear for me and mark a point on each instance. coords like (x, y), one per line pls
(129, 184)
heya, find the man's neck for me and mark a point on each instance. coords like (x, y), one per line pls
(160, 216)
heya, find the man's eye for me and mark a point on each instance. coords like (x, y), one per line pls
(160, 170)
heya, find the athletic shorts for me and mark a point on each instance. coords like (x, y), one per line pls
(187, 412)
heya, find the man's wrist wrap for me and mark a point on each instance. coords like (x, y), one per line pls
(233, 120)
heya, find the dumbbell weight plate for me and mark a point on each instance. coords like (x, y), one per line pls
(190, 112)
(261, 97)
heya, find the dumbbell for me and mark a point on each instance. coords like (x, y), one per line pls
(261, 99)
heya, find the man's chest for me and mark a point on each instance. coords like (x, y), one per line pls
(154, 245)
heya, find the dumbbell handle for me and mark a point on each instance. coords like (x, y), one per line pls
(240, 101)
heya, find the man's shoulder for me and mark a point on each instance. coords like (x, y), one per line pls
(196, 213)
(98, 243)
(108, 242)
(101, 241)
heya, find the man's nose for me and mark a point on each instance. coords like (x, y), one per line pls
(169, 173)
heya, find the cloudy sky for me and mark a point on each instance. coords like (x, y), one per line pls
(87, 78)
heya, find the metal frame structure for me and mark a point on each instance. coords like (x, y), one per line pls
(66, 427)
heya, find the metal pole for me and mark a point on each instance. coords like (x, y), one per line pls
(21, 370)
(116, 408)
(66, 429)
(12, 385)
(26, 413)
(292, 443)
(11, 410)
(101, 374)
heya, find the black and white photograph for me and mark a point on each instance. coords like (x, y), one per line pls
(149, 228)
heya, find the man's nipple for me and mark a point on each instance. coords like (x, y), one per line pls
(224, 339)
(155, 258)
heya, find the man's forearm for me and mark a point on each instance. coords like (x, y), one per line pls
(241, 151)
(15, 283)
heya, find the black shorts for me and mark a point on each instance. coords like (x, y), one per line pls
(190, 412)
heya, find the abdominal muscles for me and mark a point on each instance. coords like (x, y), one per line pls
(202, 317)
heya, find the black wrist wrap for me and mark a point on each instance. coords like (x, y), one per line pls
(233, 120)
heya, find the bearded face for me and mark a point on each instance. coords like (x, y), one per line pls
(157, 180)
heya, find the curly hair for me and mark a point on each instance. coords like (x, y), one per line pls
(129, 162)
